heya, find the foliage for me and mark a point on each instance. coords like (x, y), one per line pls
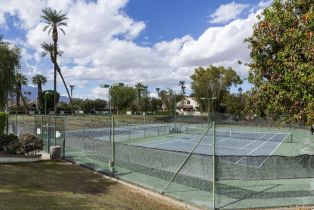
(9, 64)
(90, 106)
(30, 143)
(213, 82)
(235, 104)
(6, 139)
(47, 96)
(54, 20)
(122, 96)
(27, 143)
(20, 80)
(9, 143)
(39, 80)
(3, 122)
(282, 67)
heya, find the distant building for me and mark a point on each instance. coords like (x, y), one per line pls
(188, 106)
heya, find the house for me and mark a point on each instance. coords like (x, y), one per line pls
(188, 106)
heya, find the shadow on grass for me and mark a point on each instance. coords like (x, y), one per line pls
(51, 176)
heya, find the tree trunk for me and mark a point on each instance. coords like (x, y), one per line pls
(18, 96)
(55, 52)
(23, 99)
(66, 87)
(39, 96)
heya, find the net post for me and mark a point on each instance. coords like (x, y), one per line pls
(291, 137)
(214, 165)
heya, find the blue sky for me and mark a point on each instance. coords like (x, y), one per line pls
(156, 42)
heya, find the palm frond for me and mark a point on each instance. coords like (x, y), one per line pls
(45, 28)
(62, 31)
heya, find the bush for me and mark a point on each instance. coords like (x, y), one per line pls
(7, 139)
(14, 148)
(30, 143)
(3, 120)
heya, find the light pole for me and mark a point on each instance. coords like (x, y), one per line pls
(174, 109)
(208, 108)
(108, 86)
(110, 102)
(204, 98)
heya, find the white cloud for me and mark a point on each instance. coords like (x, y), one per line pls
(99, 46)
(227, 12)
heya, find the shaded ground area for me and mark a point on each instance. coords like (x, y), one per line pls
(59, 185)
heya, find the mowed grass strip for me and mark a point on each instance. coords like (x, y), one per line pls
(60, 185)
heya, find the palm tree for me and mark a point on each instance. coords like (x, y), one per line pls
(20, 80)
(158, 91)
(49, 49)
(182, 85)
(39, 80)
(71, 88)
(54, 21)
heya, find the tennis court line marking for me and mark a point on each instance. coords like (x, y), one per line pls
(256, 148)
(253, 142)
(273, 150)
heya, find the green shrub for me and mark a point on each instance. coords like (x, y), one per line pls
(30, 143)
(3, 120)
(5, 140)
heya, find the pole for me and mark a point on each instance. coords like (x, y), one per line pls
(208, 120)
(45, 103)
(113, 149)
(175, 113)
(110, 117)
(214, 164)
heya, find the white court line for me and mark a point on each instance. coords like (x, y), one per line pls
(256, 148)
(253, 142)
(273, 150)
(165, 142)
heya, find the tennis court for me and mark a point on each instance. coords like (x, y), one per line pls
(239, 144)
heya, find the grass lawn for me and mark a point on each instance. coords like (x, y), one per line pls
(59, 185)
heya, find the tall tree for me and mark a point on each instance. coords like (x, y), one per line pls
(211, 82)
(49, 49)
(282, 67)
(39, 80)
(122, 96)
(9, 65)
(54, 20)
(20, 80)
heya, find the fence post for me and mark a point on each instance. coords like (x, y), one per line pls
(16, 123)
(84, 146)
(55, 129)
(48, 139)
(113, 148)
(214, 164)
(7, 124)
(64, 131)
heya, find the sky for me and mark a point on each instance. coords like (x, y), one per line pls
(154, 42)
